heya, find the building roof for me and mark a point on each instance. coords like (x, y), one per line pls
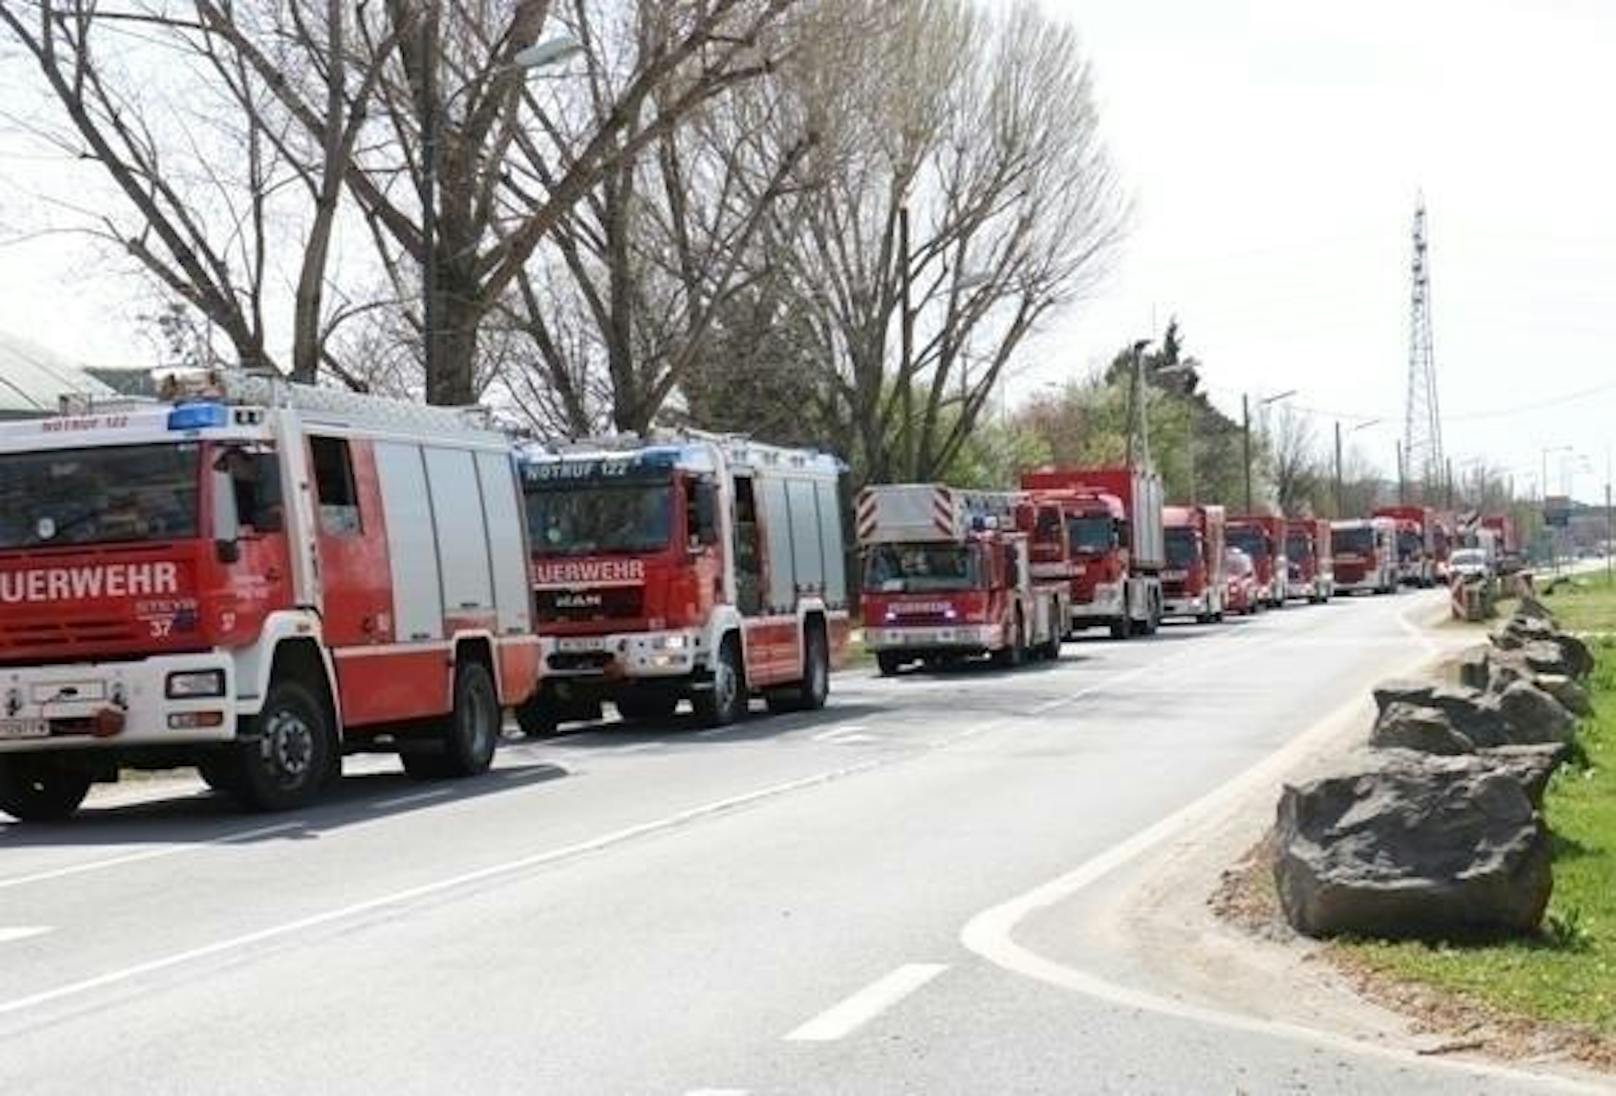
(32, 379)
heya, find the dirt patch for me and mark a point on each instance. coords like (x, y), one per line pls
(1245, 898)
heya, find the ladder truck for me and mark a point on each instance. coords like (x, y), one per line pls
(948, 575)
(255, 577)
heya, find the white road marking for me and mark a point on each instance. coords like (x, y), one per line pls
(21, 932)
(148, 854)
(854, 1012)
(717, 1092)
(837, 733)
(441, 886)
(413, 797)
(990, 934)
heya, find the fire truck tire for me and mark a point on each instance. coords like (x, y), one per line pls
(888, 663)
(537, 717)
(810, 694)
(35, 790)
(220, 773)
(726, 701)
(289, 759)
(471, 733)
(1016, 653)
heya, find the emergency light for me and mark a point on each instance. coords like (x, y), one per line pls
(198, 416)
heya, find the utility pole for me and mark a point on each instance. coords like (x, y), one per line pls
(1340, 509)
(1450, 483)
(1245, 428)
(1402, 478)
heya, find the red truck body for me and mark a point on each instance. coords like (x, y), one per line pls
(1415, 543)
(1262, 537)
(1111, 550)
(1508, 540)
(948, 575)
(1365, 555)
(1193, 583)
(256, 579)
(1309, 560)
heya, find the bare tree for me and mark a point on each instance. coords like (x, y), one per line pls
(1294, 461)
(961, 193)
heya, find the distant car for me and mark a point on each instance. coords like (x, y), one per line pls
(1468, 563)
(1240, 583)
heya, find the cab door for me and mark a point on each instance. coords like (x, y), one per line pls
(351, 542)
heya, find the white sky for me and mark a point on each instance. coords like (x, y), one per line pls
(1273, 149)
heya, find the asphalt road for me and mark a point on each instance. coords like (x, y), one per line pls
(780, 907)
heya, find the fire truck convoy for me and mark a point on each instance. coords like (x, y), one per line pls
(1309, 560)
(1262, 537)
(948, 574)
(1115, 544)
(1365, 555)
(699, 568)
(1194, 584)
(255, 579)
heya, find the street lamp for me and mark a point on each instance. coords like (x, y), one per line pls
(1340, 507)
(1175, 370)
(1245, 429)
(551, 51)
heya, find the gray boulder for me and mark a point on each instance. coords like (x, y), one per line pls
(1411, 727)
(1403, 844)
(1475, 668)
(1530, 766)
(1505, 668)
(1531, 608)
(1572, 696)
(1520, 630)
(1474, 713)
(1534, 716)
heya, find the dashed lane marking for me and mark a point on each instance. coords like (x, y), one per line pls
(148, 854)
(854, 1012)
(8, 933)
(413, 797)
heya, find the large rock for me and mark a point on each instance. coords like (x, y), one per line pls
(1411, 727)
(1402, 844)
(1572, 696)
(1474, 713)
(1529, 766)
(1534, 609)
(1534, 716)
(1475, 668)
(1518, 631)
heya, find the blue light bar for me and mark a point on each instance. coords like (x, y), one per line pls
(198, 416)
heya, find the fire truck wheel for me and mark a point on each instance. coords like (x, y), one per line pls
(1016, 653)
(472, 732)
(537, 718)
(1052, 645)
(810, 694)
(220, 773)
(285, 765)
(726, 701)
(888, 663)
(36, 790)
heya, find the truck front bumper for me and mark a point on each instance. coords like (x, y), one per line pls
(954, 637)
(667, 654)
(1106, 604)
(1197, 606)
(90, 705)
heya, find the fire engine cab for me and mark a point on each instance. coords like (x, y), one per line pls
(701, 567)
(254, 578)
(948, 574)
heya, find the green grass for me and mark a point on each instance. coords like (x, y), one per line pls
(1568, 973)
(1588, 606)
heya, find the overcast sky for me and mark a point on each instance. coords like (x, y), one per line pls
(1274, 150)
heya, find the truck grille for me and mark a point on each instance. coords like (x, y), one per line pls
(602, 603)
(48, 636)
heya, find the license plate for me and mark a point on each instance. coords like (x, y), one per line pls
(580, 643)
(24, 728)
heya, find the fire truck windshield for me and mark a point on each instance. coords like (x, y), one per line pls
(1250, 541)
(581, 519)
(103, 495)
(1360, 540)
(1298, 548)
(1181, 548)
(1093, 535)
(897, 568)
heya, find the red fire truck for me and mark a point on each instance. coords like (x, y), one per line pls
(1365, 555)
(255, 579)
(1262, 537)
(1309, 560)
(1114, 547)
(1193, 584)
(1416, 543)
(697, 567)
(948, 574)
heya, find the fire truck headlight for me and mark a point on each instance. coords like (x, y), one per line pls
(668, 643)
(191, 684)
(950, 613)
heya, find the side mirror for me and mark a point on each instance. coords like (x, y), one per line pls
(706, 513)
(226, 525)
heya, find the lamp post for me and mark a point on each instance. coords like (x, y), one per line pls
(551, 51)
(1340, 505)
(1245, 427)
(1138, 433)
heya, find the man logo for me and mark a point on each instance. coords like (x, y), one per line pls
(579, 601)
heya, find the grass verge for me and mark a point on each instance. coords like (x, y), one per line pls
(1567, 975)
(1587, 604)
